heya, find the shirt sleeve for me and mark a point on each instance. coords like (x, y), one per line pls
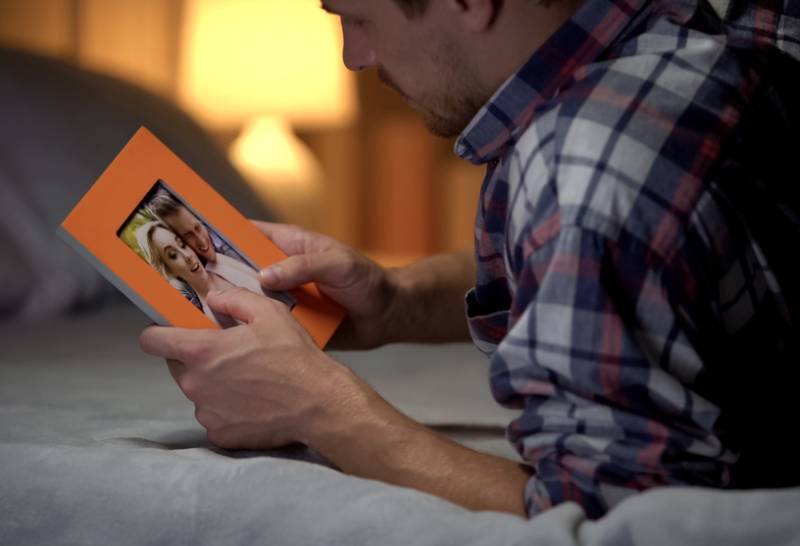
(598, 359)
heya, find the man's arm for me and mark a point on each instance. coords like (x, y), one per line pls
(429, 306)
(422, 302)
(264, 384)
(366, 436)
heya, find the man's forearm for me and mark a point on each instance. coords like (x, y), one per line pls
(429, 303)
(365, 436)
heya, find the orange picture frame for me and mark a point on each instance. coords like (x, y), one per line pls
(92, 229)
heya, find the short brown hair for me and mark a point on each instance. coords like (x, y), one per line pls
(413, 8)
(163, 204)
(151, 253)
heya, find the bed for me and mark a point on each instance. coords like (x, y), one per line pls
(98, 446)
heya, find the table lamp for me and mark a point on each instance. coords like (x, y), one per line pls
(266, 67)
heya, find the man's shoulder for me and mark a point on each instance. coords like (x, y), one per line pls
(227, 262)
(665, 82)
(223, 262)
(635, 129)
(224, 248)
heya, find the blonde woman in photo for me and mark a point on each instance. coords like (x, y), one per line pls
(216, 255)
(167, 253)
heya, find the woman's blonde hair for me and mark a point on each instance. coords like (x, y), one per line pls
(144, 238)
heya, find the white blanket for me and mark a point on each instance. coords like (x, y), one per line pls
(97, 446)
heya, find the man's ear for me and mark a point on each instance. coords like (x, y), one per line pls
(475, 15)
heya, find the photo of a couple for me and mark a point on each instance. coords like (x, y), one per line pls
(190, 255)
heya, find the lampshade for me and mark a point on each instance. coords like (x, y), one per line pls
(246, 58)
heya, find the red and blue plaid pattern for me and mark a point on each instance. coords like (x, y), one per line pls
(617, 275)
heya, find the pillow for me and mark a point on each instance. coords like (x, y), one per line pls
(39, 275)
(62, 125)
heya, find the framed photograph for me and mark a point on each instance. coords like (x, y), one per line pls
(165, 238)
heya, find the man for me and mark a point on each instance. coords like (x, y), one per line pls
(194, 233)
(631, 293)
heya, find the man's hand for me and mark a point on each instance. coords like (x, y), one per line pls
(366, 290)
(265, 384)
(421, 302)
(257, 385)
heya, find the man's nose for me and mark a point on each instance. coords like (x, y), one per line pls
(357, 53)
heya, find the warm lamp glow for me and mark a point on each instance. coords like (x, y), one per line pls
(242, 58)
(265, 67)
(270, 154)
(281, 169)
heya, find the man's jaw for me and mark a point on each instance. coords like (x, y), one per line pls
(207, 251)
(435, 122)
(387, 80)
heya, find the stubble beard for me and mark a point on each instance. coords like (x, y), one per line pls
(447, 112)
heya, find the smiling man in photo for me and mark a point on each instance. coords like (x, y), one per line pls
(189, 227)
(217, 256)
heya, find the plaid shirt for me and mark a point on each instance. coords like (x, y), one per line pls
(620, 277)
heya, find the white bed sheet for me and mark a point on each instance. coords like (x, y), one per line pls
(97, 446)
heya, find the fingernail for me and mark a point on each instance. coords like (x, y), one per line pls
(270, 275)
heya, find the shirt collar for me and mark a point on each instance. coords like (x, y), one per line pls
(577, 42)
(760, 25)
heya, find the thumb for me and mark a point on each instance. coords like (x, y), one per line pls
(238, 303)
(324, 268)
(292, 239)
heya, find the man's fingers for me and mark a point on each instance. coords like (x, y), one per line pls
(176, 369)
(159, 341)
(298, 270)
(187, 346)
(290, 239)
(238, 303)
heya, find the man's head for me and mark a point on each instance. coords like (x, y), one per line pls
(413, 7)
(445, 57)
(173, 213)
